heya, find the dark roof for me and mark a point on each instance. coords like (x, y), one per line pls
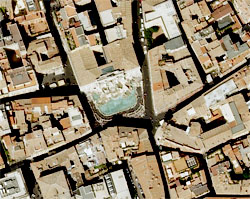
(224, 22)
(231, 52)
(240, 126)
(175, 43)
(79, 30)
(199, 189)
(108, 69)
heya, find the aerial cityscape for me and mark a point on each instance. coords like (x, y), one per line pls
(124, 99)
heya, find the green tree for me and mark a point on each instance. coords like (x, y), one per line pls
(148, 35)
(3, 10)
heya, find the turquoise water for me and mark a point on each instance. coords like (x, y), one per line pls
(95, 96)
(119, 104)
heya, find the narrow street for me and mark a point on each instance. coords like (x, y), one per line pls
(148, 95)
(143, 61)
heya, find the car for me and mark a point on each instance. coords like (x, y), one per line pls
(145, 50)
(143, 34)
(53, 85)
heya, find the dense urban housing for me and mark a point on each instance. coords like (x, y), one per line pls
(124, 99)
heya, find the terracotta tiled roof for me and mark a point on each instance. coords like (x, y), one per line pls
(222, 11)
(65, 122)
(41, 100)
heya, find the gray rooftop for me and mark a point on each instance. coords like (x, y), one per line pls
(231, 52)
(204, 32)
(10, 185)
(235, 112)
(79, 30)
(108, 69)
(63, 14)
(174, 44)
(199, 189)
(224, 22)
(240, 126)
(31, 5)
(1, 33)
(1, 16)
(87, 192)
(82, 40)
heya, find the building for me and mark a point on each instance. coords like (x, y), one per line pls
(224, 118)
(34, 23)
(19, 81)
(104, 8)
(54, 185)
(228, 151)
(41, 114)
(224, 171)
(7, 4)
(23, 7)
(243, 9)
(174, 75)
(71, 24)
(95, 63)
(146, 170)
(174, 44)
(215, 54)
(67, 159)
(4, 124)
(14, 40)
(106, 86)
(163, 15)
(182, 181)
(121, 142)
(230, 47)
(16, 76)
(241, 78)
(222, 11)
(92, 155)
(94, 191)
(115, 33)
(85, 20)
(120, 13)
(75, 28)
(13, 186)
(82, 2)
(180, 165)
(173, 137)
(15, 150)
(44, 55)
(117, 185)
(235, 112)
